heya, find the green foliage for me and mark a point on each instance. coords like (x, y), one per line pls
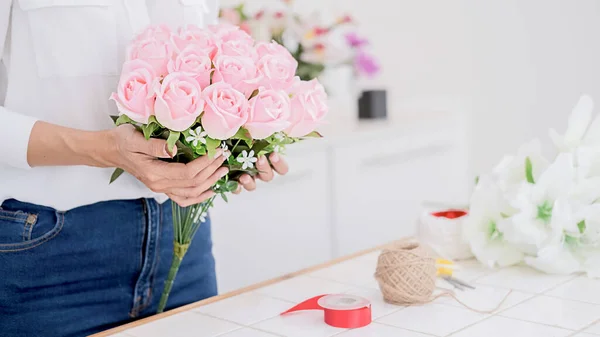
(581, 226)
(529, 171)
(173, 138)
(123, 119)
(244, 135)
(211, 146)
(116, 174)
(313, 134)
(150, 128)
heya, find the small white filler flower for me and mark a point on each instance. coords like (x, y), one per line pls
(196, 136)
(247, 159)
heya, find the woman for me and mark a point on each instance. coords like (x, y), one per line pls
(78, 255)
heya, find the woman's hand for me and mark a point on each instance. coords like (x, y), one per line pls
(185, 184)
(126, 148)
(266, 172)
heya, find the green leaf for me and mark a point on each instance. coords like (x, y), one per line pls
(123, 119)
(148, 129)
(582, 226)
(116, 174)
(313, 134)
(244, 135)
(114, 118)
(476, 180)
(259, 146)
(231, 186)
(572, 241)
(211, 146)
(224, 197)
(529, 171)
(173, 138)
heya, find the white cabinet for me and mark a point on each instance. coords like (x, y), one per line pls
(347, 192)
(380, 185)
(280, 228)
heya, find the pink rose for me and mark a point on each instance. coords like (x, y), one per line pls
(238, 71)
(276, 64)
(226, 110)
(135, 92)
(221, 29)
(196, 36)
(269, 112)
(308, 107)
(178, 102)
(154, 50)
(235, 42)
(193, 61)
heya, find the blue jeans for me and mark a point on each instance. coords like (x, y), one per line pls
(89, 269)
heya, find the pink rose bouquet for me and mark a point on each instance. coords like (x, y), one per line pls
(214, 88)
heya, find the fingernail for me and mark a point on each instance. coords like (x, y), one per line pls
(245, 179)
(274, 157)
(218, 153)
(166, 150)
(262, 160)
(224, 173)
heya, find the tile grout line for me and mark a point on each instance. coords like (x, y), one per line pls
(393, 326)
(539, 323)
(469, 325)
(585, 328)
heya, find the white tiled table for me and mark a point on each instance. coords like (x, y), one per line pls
(538, 305)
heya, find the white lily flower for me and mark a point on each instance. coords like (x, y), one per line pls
(556, 259)
(481, 227)
(577, 127)
(591, 264)
(196, 136)
(510, 172)
(532, 225)
(247, 159)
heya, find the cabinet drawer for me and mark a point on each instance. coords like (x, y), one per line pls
(379, 189)
(281, 227)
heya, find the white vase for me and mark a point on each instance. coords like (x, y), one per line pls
(340, 84)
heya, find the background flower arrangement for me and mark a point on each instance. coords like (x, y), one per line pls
(314, 45)
(545, 213)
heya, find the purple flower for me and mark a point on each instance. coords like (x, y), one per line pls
(355, 41)
(365, 64)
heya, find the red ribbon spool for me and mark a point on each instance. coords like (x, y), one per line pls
(341, 311)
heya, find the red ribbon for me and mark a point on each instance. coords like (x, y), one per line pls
(450, 214)
(339, 318)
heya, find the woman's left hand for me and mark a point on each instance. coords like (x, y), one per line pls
(266, 172)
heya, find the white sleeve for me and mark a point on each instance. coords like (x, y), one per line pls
(16, 128)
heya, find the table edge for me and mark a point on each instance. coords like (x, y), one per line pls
(239, 291)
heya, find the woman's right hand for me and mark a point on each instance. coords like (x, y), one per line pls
(185, 184)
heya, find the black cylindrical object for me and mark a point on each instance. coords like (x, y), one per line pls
(372, 104)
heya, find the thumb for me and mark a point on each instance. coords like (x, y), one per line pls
(156, 148)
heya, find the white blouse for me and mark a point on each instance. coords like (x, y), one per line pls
(61, 59)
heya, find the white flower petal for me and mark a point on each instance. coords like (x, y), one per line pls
(555, 259)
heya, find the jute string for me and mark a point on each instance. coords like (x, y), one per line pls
(407, 273)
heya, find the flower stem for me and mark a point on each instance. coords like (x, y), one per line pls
(179, 251)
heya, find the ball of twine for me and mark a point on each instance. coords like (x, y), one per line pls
(406, 273)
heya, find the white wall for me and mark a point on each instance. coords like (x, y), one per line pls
(515, 66)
